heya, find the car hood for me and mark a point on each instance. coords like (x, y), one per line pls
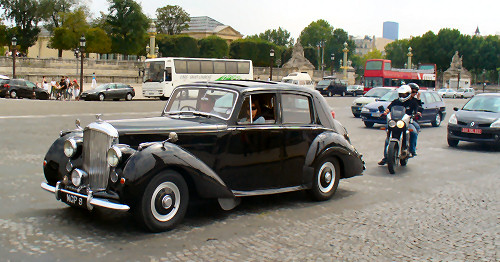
(476, 116)
(166, 124)
(91, 91)
(375, 105)
(365, 100)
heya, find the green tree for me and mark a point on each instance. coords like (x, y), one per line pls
(97, 41)
(396, 51)
(67, 36)
(255, 50)
(213, 47)
(279, 37)
(171, 20)
(26, 15)
(127, 26)
(178, 46)
(316, 32)
(53, 11)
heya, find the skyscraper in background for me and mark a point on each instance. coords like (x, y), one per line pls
(391, 30)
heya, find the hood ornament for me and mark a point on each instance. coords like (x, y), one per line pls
(98, 118)
(472, 124)
(77, 123)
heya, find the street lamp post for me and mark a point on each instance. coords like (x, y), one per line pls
(345, 50)
(409, 57)
(14, 54)
(271, 54)
(332, 57)
(151, 48)
(77, 55)
(82, 55)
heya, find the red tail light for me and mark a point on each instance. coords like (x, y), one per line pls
(6, 85)
(333, 114)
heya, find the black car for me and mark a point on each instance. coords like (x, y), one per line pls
(434, 109)
(20, 88)
(114, 91)
(330, 87)
(477, 121)
(220, 140)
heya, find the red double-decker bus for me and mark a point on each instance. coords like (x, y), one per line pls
(379, 72)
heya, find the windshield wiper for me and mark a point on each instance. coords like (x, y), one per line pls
(194, 113)
(485, 110)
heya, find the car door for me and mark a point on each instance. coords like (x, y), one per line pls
(111, 91)
(121, 91)
(299, 130)
(252, 158)
(24, 90)
(429, 107)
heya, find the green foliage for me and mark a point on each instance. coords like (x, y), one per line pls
(311, 53)
(97, 41)
(26, 15)
(255, 50)
(396, 51)
(286, 55)
(4, 40)
(52, 11)
(213, 47)
(67, 36)
(177, 46)
(127, 27)
(280, 37)
(171, 20)
(315, 32)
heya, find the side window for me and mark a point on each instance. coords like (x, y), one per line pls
(437, 97)
(296, 109)
(258, 109)
(30, 85)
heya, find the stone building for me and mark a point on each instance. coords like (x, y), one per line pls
(367, 44)
(456, 71)
(203, 26)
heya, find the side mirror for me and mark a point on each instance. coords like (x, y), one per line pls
(381, 109)
(455, 109)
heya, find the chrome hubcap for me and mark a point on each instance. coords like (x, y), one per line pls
(167, 201)
(326, 177)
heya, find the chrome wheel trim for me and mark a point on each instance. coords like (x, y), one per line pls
(168, 196)
(13, 94)
(438, 119)
(129, 97)
(101, 97)
(326, 177)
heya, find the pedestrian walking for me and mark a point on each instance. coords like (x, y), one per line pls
(63, 87)
(53, 90)
(76, 89)
(94, 81)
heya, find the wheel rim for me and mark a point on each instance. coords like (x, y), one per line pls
(438, 119)
(129, 97)
(101, 97)
(165, 201)
(326, 177)
(13, 94)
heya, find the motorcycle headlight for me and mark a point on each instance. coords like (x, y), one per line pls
(453, 120)
(495, 124)
(78, 177)
(70, 147)
(114, 156)
(392, 123)
(400, 124)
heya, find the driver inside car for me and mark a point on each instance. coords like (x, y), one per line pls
(413, 108)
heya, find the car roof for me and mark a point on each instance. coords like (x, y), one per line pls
(252, 85)
(488, 94)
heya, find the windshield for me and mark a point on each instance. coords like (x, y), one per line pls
(460, 90)
(377, 92)
(102, 87)
(324, 82)
(154, 71)
(204, 101)
(389, 96)
(483, 103)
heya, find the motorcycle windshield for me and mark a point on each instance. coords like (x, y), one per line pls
(397, 112)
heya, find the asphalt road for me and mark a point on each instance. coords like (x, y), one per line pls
(442, 206)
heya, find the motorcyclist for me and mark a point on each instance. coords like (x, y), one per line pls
(415, 95)
(413, 108)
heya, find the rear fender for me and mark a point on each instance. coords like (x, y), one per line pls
(332, 144)
(145, 164)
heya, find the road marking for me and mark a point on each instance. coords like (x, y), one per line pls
(78, 115)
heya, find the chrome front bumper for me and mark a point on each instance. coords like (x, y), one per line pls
(91, 201)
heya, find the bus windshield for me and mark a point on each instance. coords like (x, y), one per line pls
(154, 71)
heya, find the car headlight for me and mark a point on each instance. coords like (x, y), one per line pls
(392, 123)
(78, 177)
(70, 147)
(114, 156)
(364, 109)
(453, 120)
(400, 124)
(495, 124)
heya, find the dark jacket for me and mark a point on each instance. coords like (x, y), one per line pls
(412, 105)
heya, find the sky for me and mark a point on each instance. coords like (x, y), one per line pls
(357, 17)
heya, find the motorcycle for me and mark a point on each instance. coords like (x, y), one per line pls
(398, 133)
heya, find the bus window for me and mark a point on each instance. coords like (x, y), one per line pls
(243, 67)
(219, 67)
(180, 66)
(374, 65)
(207, 67)
(154, 71)
(231, 67)
(387, 66)
(194, 67)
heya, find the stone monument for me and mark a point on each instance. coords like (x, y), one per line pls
(455, 72)
(298, 62)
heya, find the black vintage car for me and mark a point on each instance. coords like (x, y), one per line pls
(114, 91)
(222, 140)
(20, 88)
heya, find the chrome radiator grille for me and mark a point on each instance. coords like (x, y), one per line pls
(95, 146)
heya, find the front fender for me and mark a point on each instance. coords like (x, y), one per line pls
(55, 166)
(145, 164)
(332, 144)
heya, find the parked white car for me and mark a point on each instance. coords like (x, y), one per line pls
(466, 92)
(4, 77)
(447, 92)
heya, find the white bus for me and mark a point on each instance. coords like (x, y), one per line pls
(162, 75)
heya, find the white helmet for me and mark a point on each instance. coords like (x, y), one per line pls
(404, 93)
